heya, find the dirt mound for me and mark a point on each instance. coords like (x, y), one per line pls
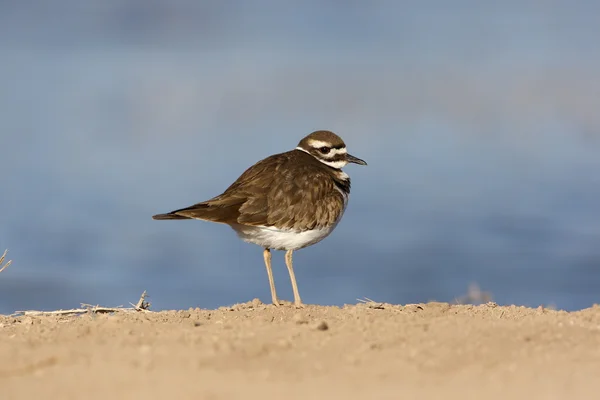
(252, 350)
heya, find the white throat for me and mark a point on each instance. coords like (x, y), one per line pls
(334, 164)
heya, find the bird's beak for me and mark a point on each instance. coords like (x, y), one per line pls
(355, 160)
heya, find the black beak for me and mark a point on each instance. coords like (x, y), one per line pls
(351, 159)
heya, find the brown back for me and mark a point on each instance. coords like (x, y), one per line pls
(290, 190)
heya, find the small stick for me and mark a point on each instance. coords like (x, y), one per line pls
(371, 303)
(99, 310)
(3, 267)
(366, 300)
(142, 306)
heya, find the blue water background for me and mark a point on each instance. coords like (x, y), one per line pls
(479, 121)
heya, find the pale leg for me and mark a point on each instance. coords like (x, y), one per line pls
(290, 267)
(267, 257)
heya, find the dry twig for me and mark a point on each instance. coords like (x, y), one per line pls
(3, 267)
(142, 306)
(371, 303)
(365, 300)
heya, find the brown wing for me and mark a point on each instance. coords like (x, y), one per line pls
(289, 190)
(295, 192)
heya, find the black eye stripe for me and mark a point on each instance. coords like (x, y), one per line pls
(327, 149)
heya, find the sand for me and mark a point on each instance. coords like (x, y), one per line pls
(252, 350)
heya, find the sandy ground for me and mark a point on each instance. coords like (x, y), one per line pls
(252, 350)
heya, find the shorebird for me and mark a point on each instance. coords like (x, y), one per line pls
(287, 201)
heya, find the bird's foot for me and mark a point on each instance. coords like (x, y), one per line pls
(285, 303)
(277, 303)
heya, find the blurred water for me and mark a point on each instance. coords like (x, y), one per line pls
(479, 123)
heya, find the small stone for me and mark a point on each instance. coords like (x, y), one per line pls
(185, 314)
(321, 326)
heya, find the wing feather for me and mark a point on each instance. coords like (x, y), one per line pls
(289, 190)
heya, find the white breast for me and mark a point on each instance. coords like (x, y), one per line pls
(282, 239)
(287, 239)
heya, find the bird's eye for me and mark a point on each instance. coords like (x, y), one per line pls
(324, 150)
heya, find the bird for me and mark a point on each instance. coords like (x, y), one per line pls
(287, 201)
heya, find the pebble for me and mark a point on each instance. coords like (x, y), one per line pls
(321, 326)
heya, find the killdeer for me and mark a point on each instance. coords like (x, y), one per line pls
(287, 201)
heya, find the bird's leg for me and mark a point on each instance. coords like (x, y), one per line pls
(290, 267)
(267, 257)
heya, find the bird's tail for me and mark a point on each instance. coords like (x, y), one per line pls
(168, 216)
(214, 210)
